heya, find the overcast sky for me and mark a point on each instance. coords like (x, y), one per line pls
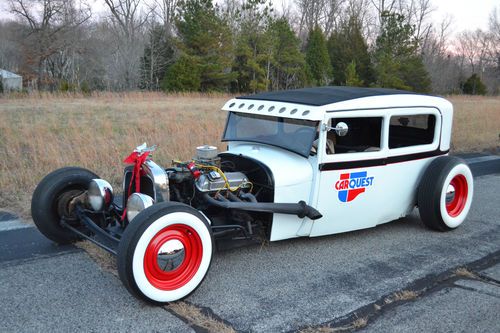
(467, 14)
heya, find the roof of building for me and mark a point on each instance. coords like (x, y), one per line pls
(322, 95)
(8, 75)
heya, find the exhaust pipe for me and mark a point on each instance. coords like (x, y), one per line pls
(301, 209)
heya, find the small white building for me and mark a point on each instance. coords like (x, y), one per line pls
(11, 81)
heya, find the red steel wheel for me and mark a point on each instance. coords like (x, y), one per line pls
(177, 240)
(165, 252)
(445, 193)
(456, 195)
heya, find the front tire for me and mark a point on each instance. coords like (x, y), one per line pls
(165, 252)
(50, 202)
(445, 193)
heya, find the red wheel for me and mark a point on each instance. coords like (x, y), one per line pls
(165, 252)
(456, 195)
(445, 193)
(173, 256)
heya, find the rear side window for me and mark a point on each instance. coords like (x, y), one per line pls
(363, 135)
(411, 130)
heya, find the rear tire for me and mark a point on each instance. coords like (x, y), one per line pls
(165, 252)
(445, 193)
(51, 198)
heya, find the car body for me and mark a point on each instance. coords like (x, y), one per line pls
(396, 171)
(299, 163)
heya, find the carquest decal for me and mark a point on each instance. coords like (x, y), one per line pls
(350, 185)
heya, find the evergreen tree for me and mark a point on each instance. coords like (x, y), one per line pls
(474, 86)
(351, 77)
(317, 58)
(347, 45)
(158, 55)
(388, 73)
(249, 64)
(183, 75)
(206, 36)
(252, 47)
(286, 68)
(398, 65)
(414, 74)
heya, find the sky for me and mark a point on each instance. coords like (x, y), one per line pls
(466, 14)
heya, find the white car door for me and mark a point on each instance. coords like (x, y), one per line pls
(371, 177)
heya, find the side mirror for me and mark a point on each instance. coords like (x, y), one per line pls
(341, 129)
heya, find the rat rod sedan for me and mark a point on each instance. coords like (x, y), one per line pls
(299, 163)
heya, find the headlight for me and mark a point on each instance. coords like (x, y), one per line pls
(100, 194)
(136, 203)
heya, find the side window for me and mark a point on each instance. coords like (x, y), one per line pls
(363, 135)
(411, 130)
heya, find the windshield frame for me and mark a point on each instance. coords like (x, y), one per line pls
(280, 123)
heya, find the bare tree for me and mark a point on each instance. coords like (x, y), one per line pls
(367, 20)
(494, 30)
(127, 16)
(128, 20)
(474, 46)
(49, 23)
(494, 23)
(442, 66)
(165, 10)
(382, 6)
(324, 13)
(494, 27)
(11, 56)
(418, 13)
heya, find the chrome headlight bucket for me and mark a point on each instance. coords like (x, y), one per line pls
(136, 203)
(100, 194)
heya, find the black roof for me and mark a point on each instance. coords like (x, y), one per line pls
(322, 95)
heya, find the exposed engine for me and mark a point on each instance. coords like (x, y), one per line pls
(225, 187)
(211, 178)
(207, 155)
(215, 181)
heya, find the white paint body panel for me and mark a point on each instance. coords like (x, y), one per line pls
(391, 196)
(293, 176)
(393, 192)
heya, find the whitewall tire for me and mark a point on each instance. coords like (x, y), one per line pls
(445, 193)
(165, 252)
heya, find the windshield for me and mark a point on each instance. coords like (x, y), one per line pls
(296, 135)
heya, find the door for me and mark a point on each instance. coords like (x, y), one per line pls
(371, 174)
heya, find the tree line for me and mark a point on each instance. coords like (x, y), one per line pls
(245, 46)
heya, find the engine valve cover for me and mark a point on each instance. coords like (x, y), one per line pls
(206, 183)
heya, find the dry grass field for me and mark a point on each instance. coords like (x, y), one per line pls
(41, 133)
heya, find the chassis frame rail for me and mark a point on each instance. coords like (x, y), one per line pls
(95, 229)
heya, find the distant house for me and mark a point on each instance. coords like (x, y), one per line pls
(11, 81)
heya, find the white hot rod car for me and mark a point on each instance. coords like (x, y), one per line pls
(299, 163)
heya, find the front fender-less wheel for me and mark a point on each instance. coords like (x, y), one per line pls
(51, 202)
(165, 252)
(445, 193)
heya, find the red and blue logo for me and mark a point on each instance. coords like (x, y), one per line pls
(350, 185)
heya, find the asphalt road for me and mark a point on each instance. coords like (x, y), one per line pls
(398, 277)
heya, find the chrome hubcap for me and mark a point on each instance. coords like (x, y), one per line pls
(171, 255)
